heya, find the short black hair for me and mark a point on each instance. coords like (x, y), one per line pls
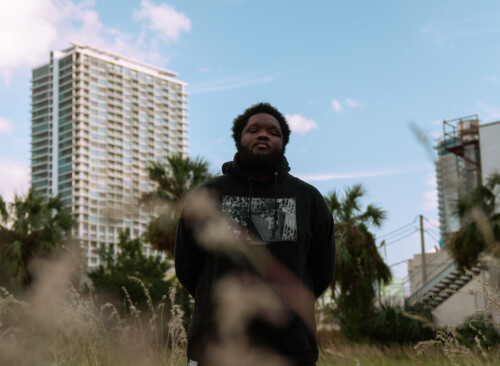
(240, 122)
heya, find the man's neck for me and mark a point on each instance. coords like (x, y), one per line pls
(260, 171)
(259, 176)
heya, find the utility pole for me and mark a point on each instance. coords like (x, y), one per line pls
(385, 249)
(424, 268)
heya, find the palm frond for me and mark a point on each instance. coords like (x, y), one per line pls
(350, 204)
(4, 214)
(493, 180)
(333, 203)
(373, 214)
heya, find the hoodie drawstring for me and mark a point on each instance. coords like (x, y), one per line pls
(275, 199)
(249, 218)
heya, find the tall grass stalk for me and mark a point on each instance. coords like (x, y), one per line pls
(55, 325)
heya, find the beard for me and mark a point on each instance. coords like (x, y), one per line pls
(259, 163)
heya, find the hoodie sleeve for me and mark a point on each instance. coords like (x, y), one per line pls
(189, 257)
(321, 261)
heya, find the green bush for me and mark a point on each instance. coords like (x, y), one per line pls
(400, 324)
(479, 327)
(123, 269)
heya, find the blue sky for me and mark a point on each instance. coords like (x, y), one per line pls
(351, 76)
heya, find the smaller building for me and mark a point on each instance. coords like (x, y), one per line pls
(393, 293)
(452, 295)
(468, 154)
(435, 263)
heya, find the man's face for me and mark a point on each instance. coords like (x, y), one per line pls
(261, 144)
(262, 135)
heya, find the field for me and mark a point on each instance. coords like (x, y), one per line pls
(54, 324)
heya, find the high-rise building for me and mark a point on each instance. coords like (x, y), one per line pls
(448, 183)
(458, 168)
(98, 120)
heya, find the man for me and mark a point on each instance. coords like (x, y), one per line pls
(272, 210)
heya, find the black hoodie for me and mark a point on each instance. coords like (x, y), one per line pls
(292, 219)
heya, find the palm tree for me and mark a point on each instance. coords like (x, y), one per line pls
(33, 227)
(177, 177)
(479, 224)
(4, 214)
(359, 266)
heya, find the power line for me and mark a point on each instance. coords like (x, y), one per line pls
(403, 234)
(435, 232)
(396, 234)
(399, 229)
(398, 263)
(401, 238)
(432, 236)
(430, 223)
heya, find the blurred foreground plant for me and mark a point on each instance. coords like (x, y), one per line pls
(58, 326)
(475, 341)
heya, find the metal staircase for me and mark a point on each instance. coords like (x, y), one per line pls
(443, 285)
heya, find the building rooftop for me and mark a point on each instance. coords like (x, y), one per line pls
(119, 60)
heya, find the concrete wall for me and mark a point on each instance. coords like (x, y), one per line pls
(464, 303)
(435, 263)
(489, 142)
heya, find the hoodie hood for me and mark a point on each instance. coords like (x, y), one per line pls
(233, 168)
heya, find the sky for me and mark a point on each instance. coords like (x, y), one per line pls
(365, 85)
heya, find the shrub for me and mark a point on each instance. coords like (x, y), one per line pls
(478, 328)
(401, 324)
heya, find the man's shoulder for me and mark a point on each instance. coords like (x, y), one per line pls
(302, 185)
(214, 183)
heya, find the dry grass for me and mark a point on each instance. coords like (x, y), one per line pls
(439, 352)
(53, 324)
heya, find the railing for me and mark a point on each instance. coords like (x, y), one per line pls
(433, 282)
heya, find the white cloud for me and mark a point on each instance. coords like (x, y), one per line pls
(300, 124)
(164, 19)
(15, 178)
(337, 107)
(5, 125)
(29, 29)
(353, 103)
(350, 175)
(493, 78)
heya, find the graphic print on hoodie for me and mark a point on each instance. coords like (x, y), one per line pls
(269, 219)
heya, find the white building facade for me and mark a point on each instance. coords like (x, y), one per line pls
(98, 121)
(448, 183)
(489, 138)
